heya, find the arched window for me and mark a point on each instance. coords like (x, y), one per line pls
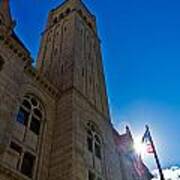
(61, 16)
(55, 20)
(30, 114)
(68, 11)
(1, 63)
(93, 140)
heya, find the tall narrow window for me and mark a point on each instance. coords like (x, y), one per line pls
(91, 176)
(23, 116)
(30, 115)
(55, 20)
(90, 141)
(28, 164)
(1, 63)
(93, 141)
(35, 125)
(97, 147)
(62, 69)
(61, 16)
(68, 11)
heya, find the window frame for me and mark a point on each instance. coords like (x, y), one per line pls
(91, 138)
(35, 105)
(38, 130)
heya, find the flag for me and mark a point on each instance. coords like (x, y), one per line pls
(146, 136)
(146, 140)
(149, 148)
(138, 165)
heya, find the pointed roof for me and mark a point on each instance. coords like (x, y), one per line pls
(6, 13)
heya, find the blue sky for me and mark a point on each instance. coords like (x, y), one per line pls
(141, 55)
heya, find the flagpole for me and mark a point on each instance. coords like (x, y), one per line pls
(155, 154)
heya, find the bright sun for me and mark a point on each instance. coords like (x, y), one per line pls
(139, 146)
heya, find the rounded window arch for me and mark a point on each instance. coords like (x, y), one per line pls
(31, 113)
(68, 10)
(94, 141)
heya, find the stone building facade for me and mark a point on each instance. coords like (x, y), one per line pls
(54, 118)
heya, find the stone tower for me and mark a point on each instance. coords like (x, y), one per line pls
(54, 118)
(70, 58)
(70, 53)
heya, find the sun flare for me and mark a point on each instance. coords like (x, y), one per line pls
(139, 146)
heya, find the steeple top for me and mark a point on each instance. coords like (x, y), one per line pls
(5, 14)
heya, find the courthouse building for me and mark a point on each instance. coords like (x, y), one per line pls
(54, 117)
